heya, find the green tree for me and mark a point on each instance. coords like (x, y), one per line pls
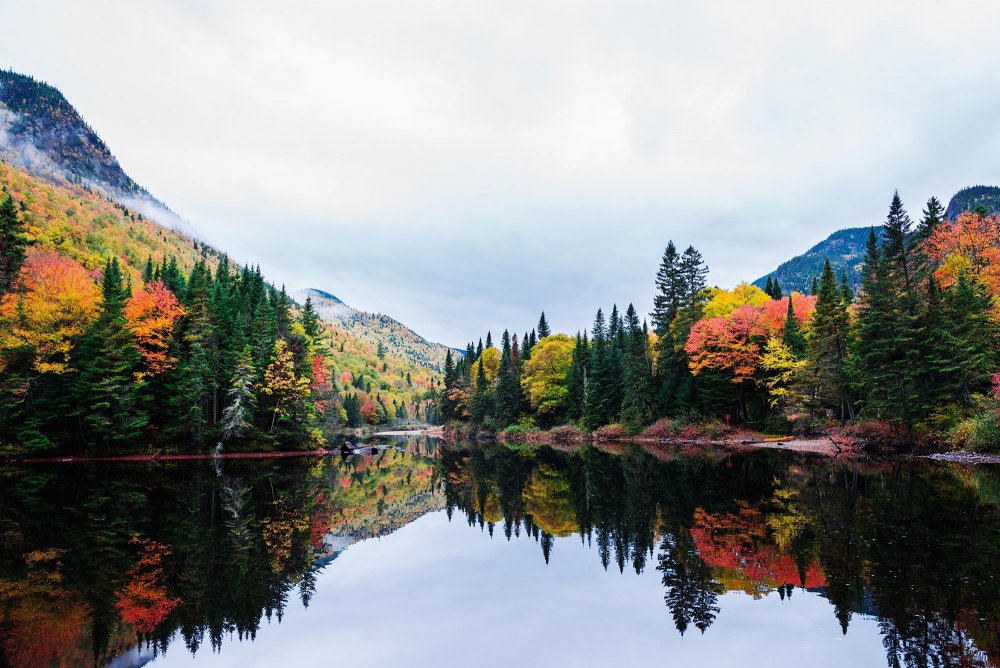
(12, 244)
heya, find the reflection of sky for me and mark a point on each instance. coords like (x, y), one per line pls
(436, 593)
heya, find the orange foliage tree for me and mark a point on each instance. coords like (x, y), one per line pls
(735, 343)
(970, 243)
(53, 303)
(152, 314)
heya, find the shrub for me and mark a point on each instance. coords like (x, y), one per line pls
(662, 428)
(986, 434)
(566, 433)
(610, 432)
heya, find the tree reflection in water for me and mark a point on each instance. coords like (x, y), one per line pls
(912, 544)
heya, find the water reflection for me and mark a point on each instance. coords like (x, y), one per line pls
(95, 558)
(117, 562)
(913, 545)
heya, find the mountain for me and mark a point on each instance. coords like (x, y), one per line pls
(970, 199)
(76, 199)
(397, 339)
(42, 132)
(846, 248)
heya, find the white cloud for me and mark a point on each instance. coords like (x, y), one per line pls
(463, 165)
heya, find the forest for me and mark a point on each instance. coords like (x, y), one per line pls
(910, 356)
(119, 336)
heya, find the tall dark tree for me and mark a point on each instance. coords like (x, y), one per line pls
(12, 244)
(828, 341)
(108, 398)
(637, 396)
(543, 327)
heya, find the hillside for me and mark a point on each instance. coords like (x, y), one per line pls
(846, 248)
(42, 132)
(970, 199)
(397, 340)
(76, 199)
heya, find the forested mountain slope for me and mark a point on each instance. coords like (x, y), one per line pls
(396, 339)
(76, 207)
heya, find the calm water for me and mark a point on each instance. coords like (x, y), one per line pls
(430, 555)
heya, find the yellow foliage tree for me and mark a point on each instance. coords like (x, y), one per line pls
(490, 361)
(55, 301)
(544, 376)
(725, 302)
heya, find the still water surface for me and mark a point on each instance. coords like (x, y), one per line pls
(495, 556)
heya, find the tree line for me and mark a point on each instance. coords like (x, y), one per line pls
(913, 352)
(185, 358)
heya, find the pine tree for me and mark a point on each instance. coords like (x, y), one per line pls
(12, 244)
(506, 399)
(769, 287)
(107, 395)
(637, 408)
(669, 290)
(933, 216)
(576, 380)
(543, 327)
(310, 320)
(481, 398)
(237, 417)
(792, 335)
(828, 340)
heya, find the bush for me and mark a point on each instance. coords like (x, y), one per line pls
(986, 433)
(610, 432)
(566, 433)
(516, 430)
(662, 428)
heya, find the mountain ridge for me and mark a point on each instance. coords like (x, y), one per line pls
(845, 248)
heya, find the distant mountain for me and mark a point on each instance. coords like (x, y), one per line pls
(970, 199)
(846, 248)
(399, 341)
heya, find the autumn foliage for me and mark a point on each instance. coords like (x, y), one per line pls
(145, 603)
(152, 313)
(54, 301)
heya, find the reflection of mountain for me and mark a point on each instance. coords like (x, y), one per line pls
(912, 546)
(93, 559)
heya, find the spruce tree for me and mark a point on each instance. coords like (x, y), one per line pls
(933, 216)
(543, 327)
(107, 395)
(576, 380)
(828, 340)
(506, 398)
(792, 335)
(237, 417)
(12, 244)
(637, 399)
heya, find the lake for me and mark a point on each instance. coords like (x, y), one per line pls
(429, 554)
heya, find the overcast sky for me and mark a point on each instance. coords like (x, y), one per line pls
(463, 165)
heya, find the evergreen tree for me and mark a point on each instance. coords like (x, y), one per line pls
(482, 398)
(310, 320)
(576, 380)
(107, 395)
(637, 408)
(933, 216)
(828, 340)
(506, 399)
(792, 335)
(543, 327)
(12, 244)
(237, 417)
